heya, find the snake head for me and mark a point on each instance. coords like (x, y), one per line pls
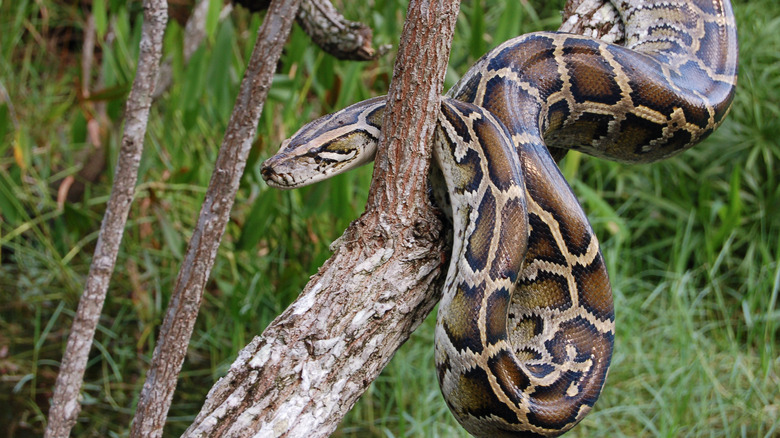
(327, 146)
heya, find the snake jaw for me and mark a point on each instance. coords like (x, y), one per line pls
(285, 173)
(277, 180)
(298, 166)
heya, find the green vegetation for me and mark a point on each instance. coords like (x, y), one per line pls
(692, 243)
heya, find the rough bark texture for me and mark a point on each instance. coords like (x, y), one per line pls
(309, 367)
(185, 301)
(315, 360)
(65, 405)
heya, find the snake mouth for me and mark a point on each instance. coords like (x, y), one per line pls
(277, 180)
(290, 172)
(280, 173)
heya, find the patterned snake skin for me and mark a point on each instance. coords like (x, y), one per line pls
(526, 324)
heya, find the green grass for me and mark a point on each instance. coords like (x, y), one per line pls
(691, 243)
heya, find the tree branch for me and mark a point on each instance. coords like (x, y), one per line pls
(65, 406)
(185, 301)
(315, 360)
(323, 23)
(308, 368)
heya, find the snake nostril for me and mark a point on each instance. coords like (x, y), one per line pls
(267, 172)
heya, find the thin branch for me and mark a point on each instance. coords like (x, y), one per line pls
(185, 301)
(315, 360)
(65, 406)
(88, 54)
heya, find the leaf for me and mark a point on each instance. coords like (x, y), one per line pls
(219, 71)
(194, 81)
(212, 17)
(477, 42)
(262, 213)
(600, 211)
(100, 16)
(21, 150)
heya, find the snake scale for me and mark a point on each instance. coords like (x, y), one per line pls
(525, 327)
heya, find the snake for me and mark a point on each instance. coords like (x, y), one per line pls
(526, 324)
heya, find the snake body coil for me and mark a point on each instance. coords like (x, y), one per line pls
(525, 327)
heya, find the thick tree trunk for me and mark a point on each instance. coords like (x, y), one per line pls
(65, 406)
(315, 360)
(309, 367)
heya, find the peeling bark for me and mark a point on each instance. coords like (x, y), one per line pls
(65, 406)
(312, 363)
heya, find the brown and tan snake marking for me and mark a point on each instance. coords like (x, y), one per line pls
(526, 324)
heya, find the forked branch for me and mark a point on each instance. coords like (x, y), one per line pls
(309, 367)
(314, 361)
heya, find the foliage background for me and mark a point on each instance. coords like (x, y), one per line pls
(691, 243)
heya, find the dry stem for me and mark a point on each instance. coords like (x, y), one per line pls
(185, 301)
(65, 405)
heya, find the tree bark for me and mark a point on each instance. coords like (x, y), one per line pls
(315, 360)
(65, 406)
(309, 367)
(323, 23)
(185, 301)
